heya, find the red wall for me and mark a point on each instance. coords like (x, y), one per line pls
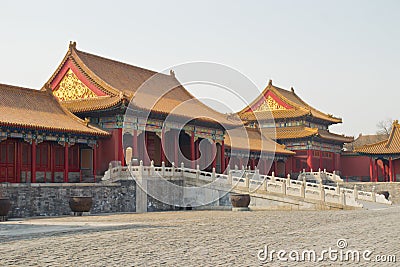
(396, 166)
(107, 151)
(354, 166)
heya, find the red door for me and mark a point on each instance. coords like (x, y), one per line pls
(7, 161)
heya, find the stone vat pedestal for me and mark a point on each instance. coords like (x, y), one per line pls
(240, 209)
(80, 205)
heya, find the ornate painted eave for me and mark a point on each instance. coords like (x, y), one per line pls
(281, 104)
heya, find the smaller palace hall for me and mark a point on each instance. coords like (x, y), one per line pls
(72, 128)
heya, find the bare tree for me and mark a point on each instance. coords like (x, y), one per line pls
(385, 127)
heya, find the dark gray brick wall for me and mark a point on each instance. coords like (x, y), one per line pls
(29, 200)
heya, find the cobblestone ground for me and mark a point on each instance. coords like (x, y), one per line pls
(197, 238)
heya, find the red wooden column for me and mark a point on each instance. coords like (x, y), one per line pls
(276, 167)
(142, 145)
(284, 168)
(390, 170)
(66, 163)
(309, 159)
(162, 148)
(320, 159)
(52, 161)
(222, 156)
(240, 163)
(176, 147)
(376, 170)
(252, 163)
(265, 167)
(338, 163)
(135, 145)
(94, 162)
(371, 171)
(197, 152)
(214, 154)
(333, 161)
(192, 151)
(33, 162)
(394, 173)
(293, 164)
(146, 156)
(384, 171)
(18, 161)
(120, 147)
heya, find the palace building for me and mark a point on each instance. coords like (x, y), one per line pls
(92, 108)
(384, 156)
(41, 141)
(283, 116)
(101, 90)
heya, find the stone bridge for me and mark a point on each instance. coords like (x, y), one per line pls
(200, 189)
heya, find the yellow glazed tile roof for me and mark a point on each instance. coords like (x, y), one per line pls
(298, 132)
(253, 140)
(34, 109)
(163, 94)
(299, 108)
(390, 146)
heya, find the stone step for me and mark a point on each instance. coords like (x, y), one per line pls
(373, 205)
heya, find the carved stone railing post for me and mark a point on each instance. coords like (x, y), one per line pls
(265, 183)
(247, 181)
(110, 170)
(141, 169)
(337, 190)
(230, 180)
(284, 187)
(119, 170)
(322, 192)
(343, 197)
(273, 177)
(152, 168)
(256, 175)
(163, 169)
(182, 169)
(198, 172)
(173, 169)
(228, 169)
(236, 167)
(319, 174)
(373, 194)
(303, 189)
(213, 174)
(355, 192)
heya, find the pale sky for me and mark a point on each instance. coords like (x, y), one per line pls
(342, 57)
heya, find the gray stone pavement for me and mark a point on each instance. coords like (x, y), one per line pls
(199, 238)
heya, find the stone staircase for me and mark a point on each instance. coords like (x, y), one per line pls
(282, 189)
